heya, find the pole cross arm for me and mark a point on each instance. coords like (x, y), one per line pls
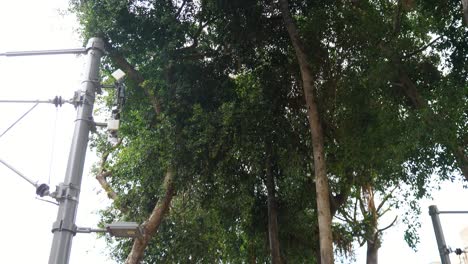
(41, 189)
(43, 52)
(57, 101)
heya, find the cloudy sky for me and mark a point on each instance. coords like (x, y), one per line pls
(38, 147)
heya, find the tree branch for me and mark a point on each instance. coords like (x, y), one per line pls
(421, 49)
(387, 227)
(385, 199)
(180, 9)
(465, 10)
(462, 160)
(340, 198)
(151, 225)
(202, 25)
(101, 177)
(397, 22)
(133, 74)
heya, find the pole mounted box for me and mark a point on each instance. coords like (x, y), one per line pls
(113, 125)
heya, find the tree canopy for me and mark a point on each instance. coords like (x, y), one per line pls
(216, 155)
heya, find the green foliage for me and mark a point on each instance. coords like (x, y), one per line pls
(226, 77)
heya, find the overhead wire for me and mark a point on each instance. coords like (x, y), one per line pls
(19, 119)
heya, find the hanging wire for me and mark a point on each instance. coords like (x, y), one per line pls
(49, 201)
(52, 151)
(19, 120)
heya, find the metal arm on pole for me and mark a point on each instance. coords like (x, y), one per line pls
(43, 52)
(34, 183)
(41, 189)
(57, 101)
(68, 193)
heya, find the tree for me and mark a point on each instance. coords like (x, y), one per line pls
(321, 179)
(216, 110)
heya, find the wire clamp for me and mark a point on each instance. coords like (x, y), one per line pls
(66, 192)
(77, 99)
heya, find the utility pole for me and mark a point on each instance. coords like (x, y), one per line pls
(68, 192)
(443, 249)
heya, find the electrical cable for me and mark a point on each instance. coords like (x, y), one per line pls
(44, 200)
(19, 120)
(52, 151)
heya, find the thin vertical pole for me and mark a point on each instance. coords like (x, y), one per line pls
(68, 193)
(443, 250)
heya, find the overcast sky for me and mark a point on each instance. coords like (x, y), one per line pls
(38, 146)
(40, 143)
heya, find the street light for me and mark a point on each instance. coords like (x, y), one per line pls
(124, 229)
(117, 229)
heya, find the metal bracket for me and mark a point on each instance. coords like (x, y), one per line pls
(61, 226)
(97, 85)
(66, 192)
(92, 126)
(90, 230)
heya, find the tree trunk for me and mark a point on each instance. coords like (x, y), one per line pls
(150, 227)
(252, 256)
(372, 253)
(465, 10)
(272, 212)
(321, 180)
(372, 238)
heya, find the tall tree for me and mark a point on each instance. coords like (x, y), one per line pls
(321, 178)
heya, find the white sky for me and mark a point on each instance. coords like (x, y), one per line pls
(26, 222)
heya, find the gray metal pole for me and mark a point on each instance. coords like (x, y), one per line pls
(443, 250)
(68, 192)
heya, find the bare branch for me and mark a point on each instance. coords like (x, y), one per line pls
(385, 199)
(387, 227)
(421, 49)
(344, 219)
(101, 177)
(201, 26)
(355, 209)
(361, 205)
(180, 9)
(384, 212)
